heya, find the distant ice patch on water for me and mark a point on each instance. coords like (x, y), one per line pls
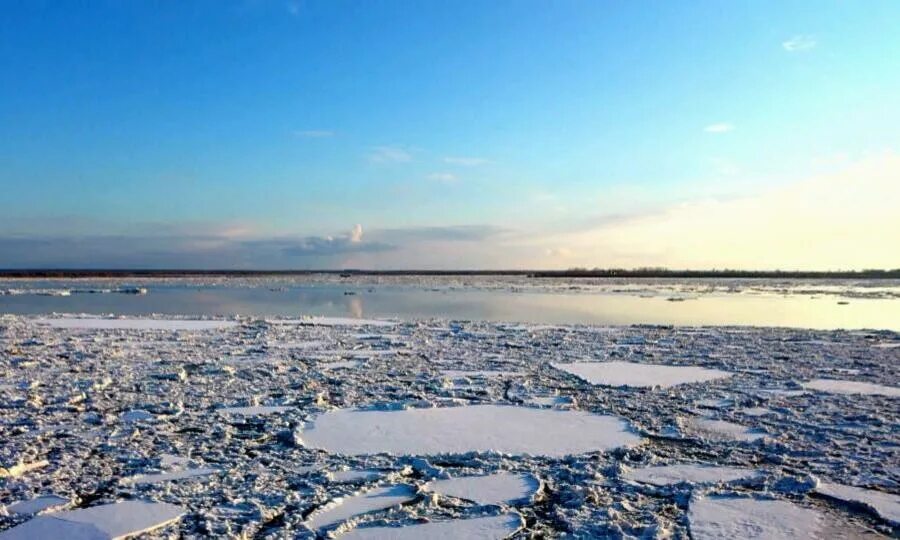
(459, 430)
(837, 386)
(719, 517)
(97, 323)
(105, 522)
(483, 528)
(668, 475)
(639, 375)
(345, 508)
(885, 505)
(334, 321)
(499, 488)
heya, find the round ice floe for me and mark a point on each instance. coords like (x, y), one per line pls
(497, 488)
(836, 386)
(639, 375)
(667, 475)
(458, 430)
(716, 518)
(484, 528)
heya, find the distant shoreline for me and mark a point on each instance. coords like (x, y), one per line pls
(574, 273)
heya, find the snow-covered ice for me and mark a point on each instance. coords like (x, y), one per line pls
(345, 508)
(483, 528)
(37, 504)
(836, 386)
(498, 488)
(718, 518)
(169, 476)
(105, 522)
(476, 428)
(96, 323)
(335, 321)
(886, 505)
(254, 410)
(667, 475)
(640, 375)
(721, 430)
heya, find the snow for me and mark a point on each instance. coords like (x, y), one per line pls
(639, 375)
(334, 321)
(718, 518)
(353, 477)
(37, 504)
(458, 430)
(254, 410)
(346, 364)
(168, 477)
(722, 430)
(95, 323)
(836, 386)
(345, 508)
(756, 411)
(483, 528)
(667, 475)
(886, 505)
(453, 374)
(500, 488)
(109, 521)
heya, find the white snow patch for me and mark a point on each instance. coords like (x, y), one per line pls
(353, 477)
(836, 386)
(106, 522)
(667, 475)
(483, 528)
(344, 508)
(476, 428)
(639, 375)
(346, 364)
(886, 505)
(500, 488)
(756, 411)
(97, 323)
(716, 518)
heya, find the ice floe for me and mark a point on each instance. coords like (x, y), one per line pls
(168, 476)
(459, 430)
(353, 477)
(106, 522)
(255, 410)
(37, 505)
(713, 429)
(639, 375)
(483, 528)
(885, 505)
(667, 475)
(721, 517)
(836, 386)
(499, 488)
(343, 509)
(96, 323)
(334, 321)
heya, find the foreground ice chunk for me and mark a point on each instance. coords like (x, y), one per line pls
(168, 477)
(836, 386)
(334, 321)
(96, 323)
(886, 505)
(717, 518)
(342, 509)
(497, 488)
(106, 522)
(667, 475)
(483, 528)
(458, 430)
(37, 504)
(639, 375)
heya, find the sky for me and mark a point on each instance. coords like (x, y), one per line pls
(387, 134)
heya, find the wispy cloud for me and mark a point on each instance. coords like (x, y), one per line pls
(389, 154)
(719, 127)
(463, 233)
(444, 177)
(314, 133)
(798, 43)
(465, 161)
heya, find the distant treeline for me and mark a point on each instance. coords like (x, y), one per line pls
(571, 273)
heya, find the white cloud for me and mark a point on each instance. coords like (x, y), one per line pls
(356, 233)
(444, 177)
(314, 133)
(465, 161)
(719, 127)
(389, 154)
(800, 42)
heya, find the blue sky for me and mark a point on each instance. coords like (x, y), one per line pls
(255, 133)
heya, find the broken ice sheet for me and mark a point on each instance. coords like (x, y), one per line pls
(458, 430)
(885, 505)
(105, 522)
(498, 488)
(719, 517)
(37, 504)
(168, 476)
(482, 528)
(836, 386)
(667, 475)
(344, 508)
(639, 375)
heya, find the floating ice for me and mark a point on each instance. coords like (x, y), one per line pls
(458, 430)
(478, 374)
(497, 488)
(483, 528)
(106, 522)
(756, 411)
(96, 323)
(722, 430)
(342, 509)
(38, 504)
(836, 386)
(137, 415)
(254, 410)
(353, 477)
(716, 518)
(168, 477)
(667, 475)
(639, 375)
(334, 321)
(346, 364)
(886, 505)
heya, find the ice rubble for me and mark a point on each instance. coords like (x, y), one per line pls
(499, 488)
(836, 386)
(886, 505)
(639, 375)
(667, 475)
(335, 321)
(483, 528)
(106, 522)
(459, 430)
(719, 517)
